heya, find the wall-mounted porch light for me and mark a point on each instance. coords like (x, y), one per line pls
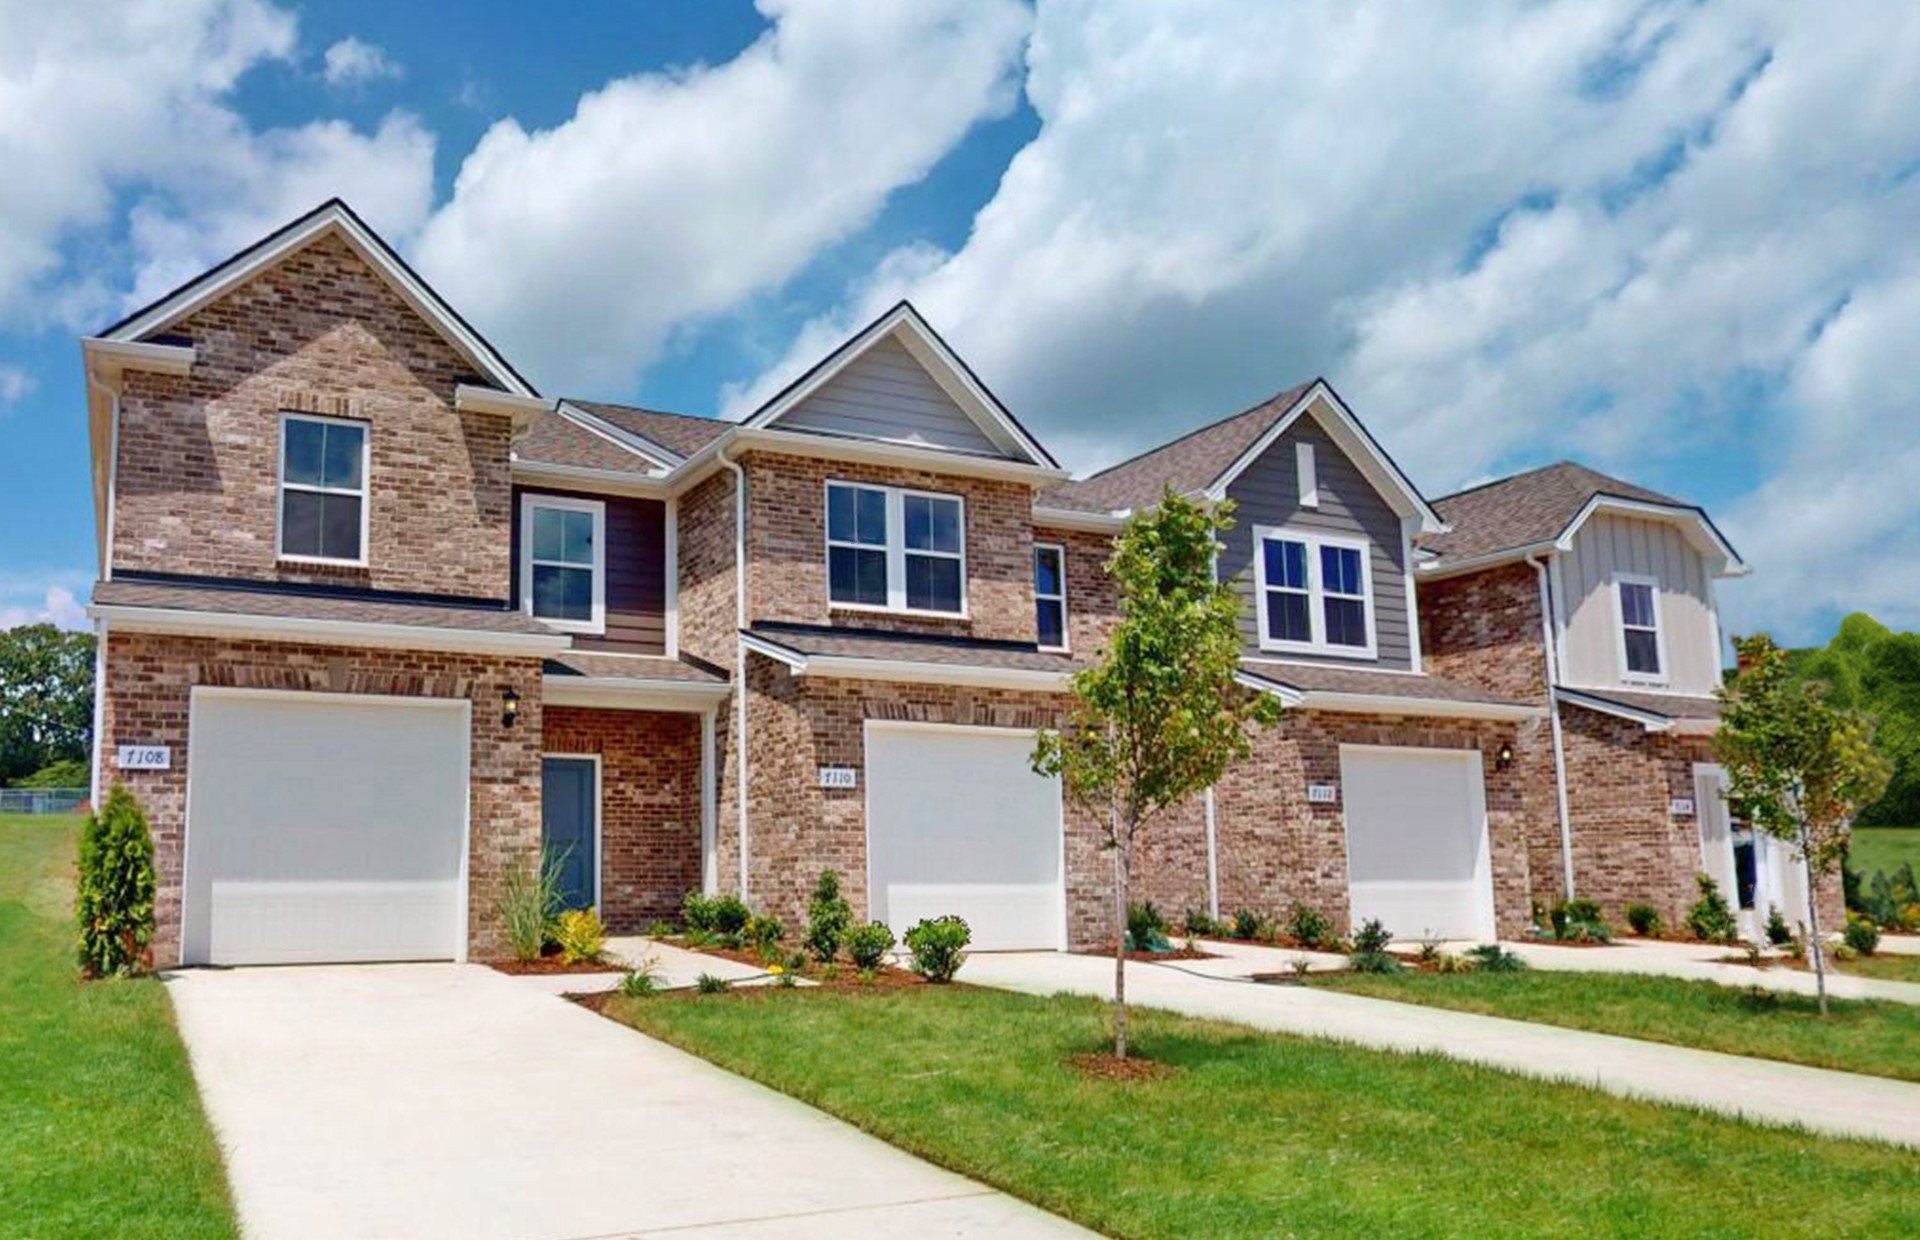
(509, 706)
(1503, 757)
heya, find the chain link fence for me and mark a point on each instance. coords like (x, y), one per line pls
(41, 800)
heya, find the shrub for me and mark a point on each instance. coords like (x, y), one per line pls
(529, 897)
(1710, 918)
(763, 935)
(1372, 936)
(1892, 900)
(1645, 920)
(1430, 952)
(1493, 958)
(1861, 934)
(936, 946)
(696, 910)
(1146, 928)
(708, 984)
(1445, 963)
(869, 944)
(580, 936)
(828, 917)
(1778, 932)
(1581, 921)
(660, 929)
(1374, 962)
(1246, 924)
(721, 914)
(1200, 926)
(113, 901)
(1309, 927)
(642, 981)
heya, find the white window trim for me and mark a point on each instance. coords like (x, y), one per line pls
(895, 548)
(1309, 476)
(531, 500)
(364, 492)
(1066, 636)
(1664, 675)
(1316, 593)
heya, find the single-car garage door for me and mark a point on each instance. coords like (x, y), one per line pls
(324, 827)
(1417, 841)
(957, 822)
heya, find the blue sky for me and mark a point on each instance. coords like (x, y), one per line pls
(1671, 240)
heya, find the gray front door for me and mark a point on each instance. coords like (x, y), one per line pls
(569, 800)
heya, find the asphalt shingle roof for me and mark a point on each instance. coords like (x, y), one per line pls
(231, 600)
(679, 433)
(912, 648)
(1671, 705)
(551, 439)
(1525, 509)
(629, 667)
(1360, 682)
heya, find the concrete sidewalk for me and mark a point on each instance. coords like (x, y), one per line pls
(1837, 1103)
(425, 1101)
(1697, 962)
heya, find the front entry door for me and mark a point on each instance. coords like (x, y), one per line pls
(569, 806)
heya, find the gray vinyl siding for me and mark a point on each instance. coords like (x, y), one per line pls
(1268, 494)
(885, 394)
(1607, 545)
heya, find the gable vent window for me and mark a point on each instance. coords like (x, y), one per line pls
(892, 549)
(1642, 652)
(563, 578)
(1050, 595)
(1313, 593)
(323, 489)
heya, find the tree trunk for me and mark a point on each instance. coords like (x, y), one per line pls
(1816, 946)
(1123, 883)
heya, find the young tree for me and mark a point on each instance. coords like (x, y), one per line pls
(1798, 767)
(1159, 718)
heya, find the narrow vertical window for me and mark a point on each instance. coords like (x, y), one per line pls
(323, 489)
(1309, 476)
(563, 576)
(1640, 629)
(857, 545)
(1050, 595)
(1286, 591)
(1344, 596)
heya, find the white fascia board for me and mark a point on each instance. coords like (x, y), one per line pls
(1359, 447)
(333, 217)
(578, 477)
(330, 632)
(880, 452)
(108, 359)
(469, 398)
(1288, 696)
(1385, 704)
(773, 650)
(606, 429)
(1443, 567)
(626, 693)
(1085, 522)
(942, 366)
(911, 672)
(1693, 522)
(1647, 719)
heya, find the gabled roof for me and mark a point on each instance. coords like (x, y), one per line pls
(945, 367)
(330, 218)
(1539, 511)
(680, 434)
(553, 438)
(1207, 460)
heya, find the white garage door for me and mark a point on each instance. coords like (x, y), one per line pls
(324, 827)
(957, 822)
(1417, 841)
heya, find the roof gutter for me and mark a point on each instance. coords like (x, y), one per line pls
(342, 632)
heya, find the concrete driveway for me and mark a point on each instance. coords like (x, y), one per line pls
(423, 1101)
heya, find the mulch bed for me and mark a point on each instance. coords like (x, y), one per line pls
(847, 979)
(1177, 953)
(1101, 1065)
(547, 964)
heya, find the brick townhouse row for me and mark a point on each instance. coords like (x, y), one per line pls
(380, 622)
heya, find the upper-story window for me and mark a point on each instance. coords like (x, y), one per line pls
(1314, 593)
(323, 489)
(896, 550)
(1643, 654)
(1050, 595)
(563, 566)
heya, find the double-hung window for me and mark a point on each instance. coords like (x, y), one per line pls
(896, 550)
(1313, 593)
(323, 489)
(563, 577)
(1050, 595)
(1642, 651)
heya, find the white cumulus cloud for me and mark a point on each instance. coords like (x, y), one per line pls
(667, 198)
(352, 61)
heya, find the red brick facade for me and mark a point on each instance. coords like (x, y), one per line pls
(649, 806)
(149, 686)
(198, 472)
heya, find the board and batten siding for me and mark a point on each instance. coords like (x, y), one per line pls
(636, 559)
(886, 394)
(1267, 493)
(1607, 545)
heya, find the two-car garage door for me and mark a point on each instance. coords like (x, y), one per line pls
(957, 822)
(324, 827)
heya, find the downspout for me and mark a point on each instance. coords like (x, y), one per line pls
(740, 647)
(1553, 718)
(99, 710)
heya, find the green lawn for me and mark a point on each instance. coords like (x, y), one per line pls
(1882, 1039)
(101, 1131)
(1267, 1135)
(1884, 848)
(1886, 967)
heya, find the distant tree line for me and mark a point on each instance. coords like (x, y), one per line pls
(1872, 669)
(46, 706)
